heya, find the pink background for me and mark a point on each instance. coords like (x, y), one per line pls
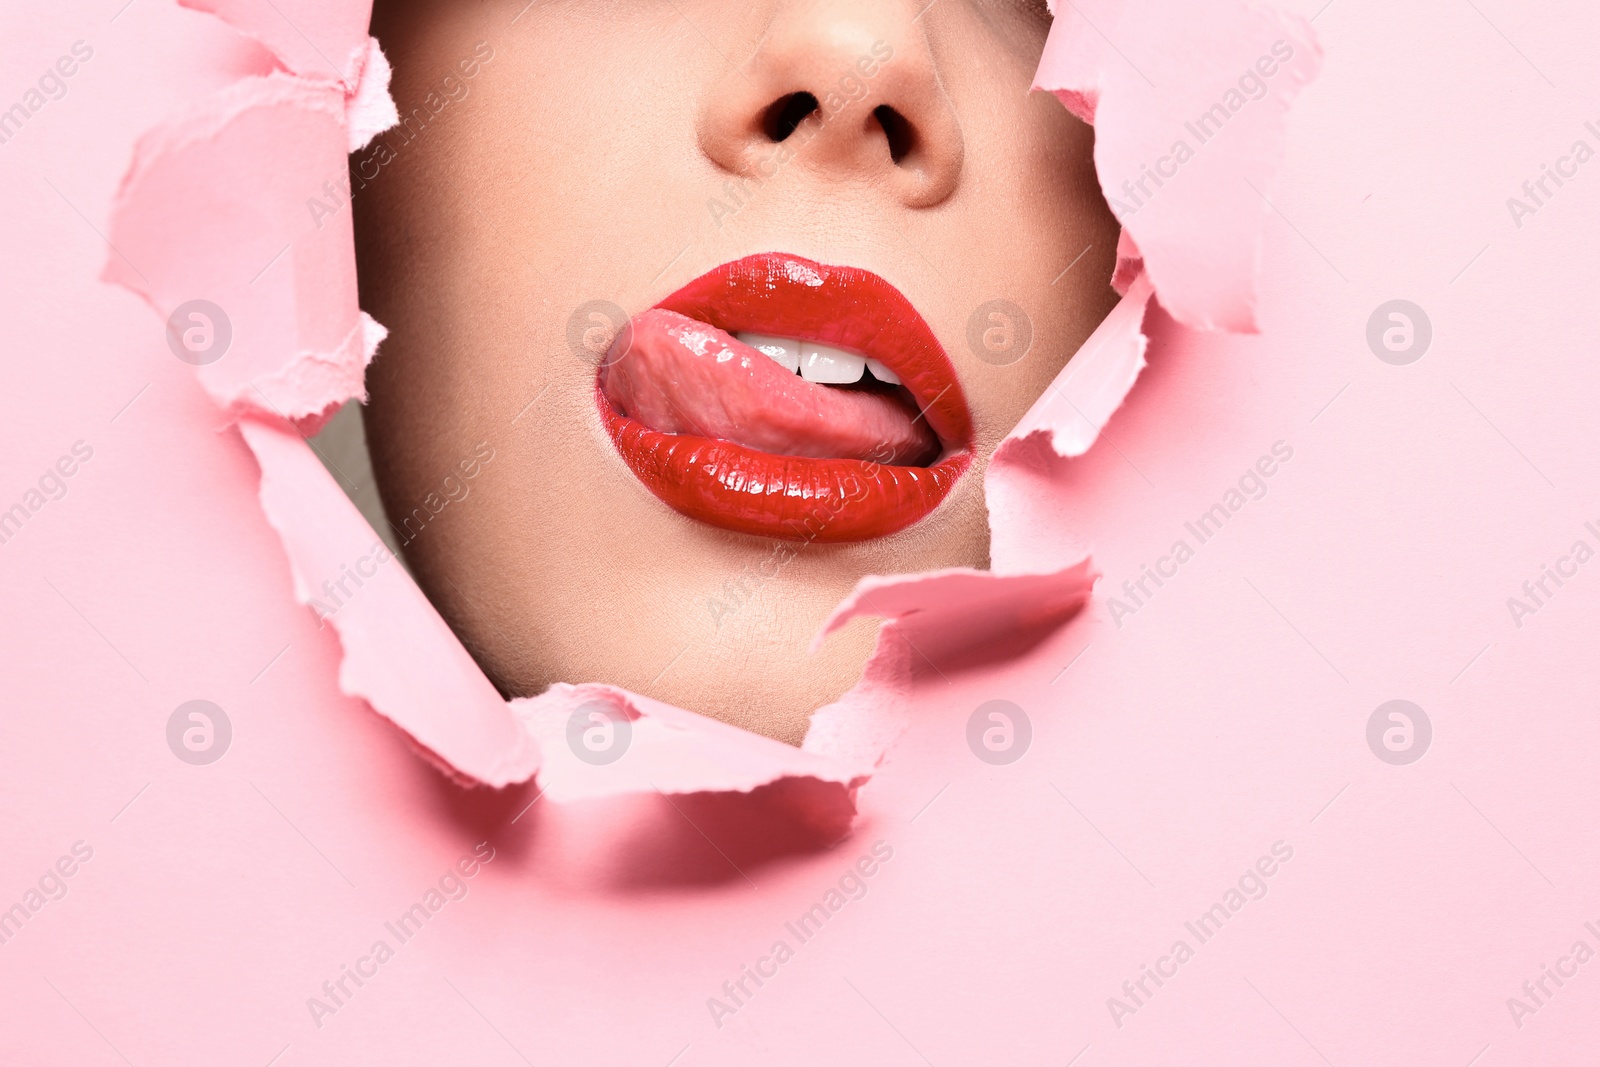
(1168, 754)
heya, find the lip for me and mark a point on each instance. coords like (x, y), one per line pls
(800, 498)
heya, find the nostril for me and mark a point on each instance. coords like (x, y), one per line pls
(896, 129)
(785, 115)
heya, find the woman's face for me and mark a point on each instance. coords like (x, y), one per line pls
(666, 505)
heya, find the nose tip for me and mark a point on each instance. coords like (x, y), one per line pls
(847, 91)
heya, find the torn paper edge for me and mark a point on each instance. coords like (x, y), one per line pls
(402, 658)
(310, 384)
(1171, 263)
(242, 20)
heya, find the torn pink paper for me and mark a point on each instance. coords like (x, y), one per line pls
(238, 204)
(311, 38)
(1035, 581)
(670, 749)
(861, 726)
(1191, 117)
(980, 602)
(403, 659)
(1094, 383)
(399, 655)
(1189, 229)
(319, 41)
(1030, 527)
(1130, 264)
(369, 109)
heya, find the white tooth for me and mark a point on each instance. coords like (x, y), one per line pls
(829, 365)
(882, 373)
(784, 351)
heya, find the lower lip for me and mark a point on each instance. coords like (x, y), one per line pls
(794, 498)
(801, 498)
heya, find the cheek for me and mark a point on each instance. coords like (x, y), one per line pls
(1045, 242)
(615, 102)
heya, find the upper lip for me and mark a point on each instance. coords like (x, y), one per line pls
(848, 307)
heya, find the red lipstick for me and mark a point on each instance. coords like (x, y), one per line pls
(724, 435)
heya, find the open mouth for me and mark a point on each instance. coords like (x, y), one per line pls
(784, 398)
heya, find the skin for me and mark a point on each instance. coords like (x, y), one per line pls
(584, 161)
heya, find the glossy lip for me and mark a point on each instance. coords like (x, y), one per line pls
(794, 497)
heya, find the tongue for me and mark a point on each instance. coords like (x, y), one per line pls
(681, 376)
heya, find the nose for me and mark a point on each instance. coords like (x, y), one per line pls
(849, 91)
